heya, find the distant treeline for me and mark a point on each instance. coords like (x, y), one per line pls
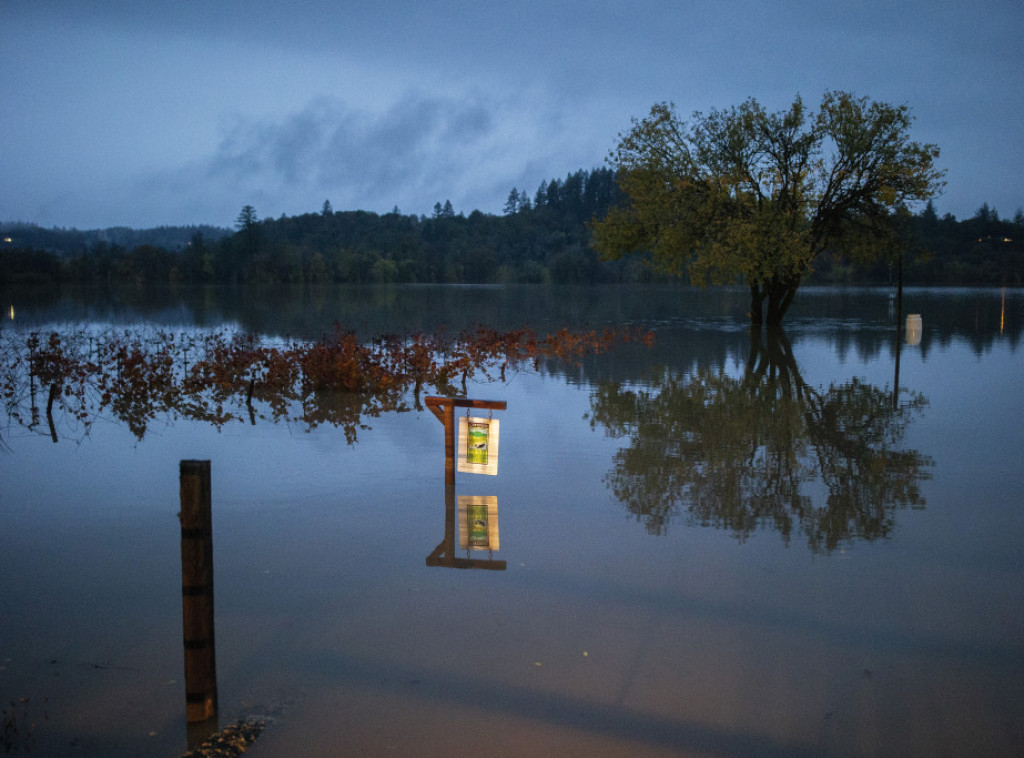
(67, 242)
(981, 250)
(543, 237)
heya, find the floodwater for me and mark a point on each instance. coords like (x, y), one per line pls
(722, 544)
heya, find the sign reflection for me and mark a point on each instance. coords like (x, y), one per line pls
(446, 554)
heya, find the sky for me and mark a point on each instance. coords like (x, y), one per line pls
(142, 113)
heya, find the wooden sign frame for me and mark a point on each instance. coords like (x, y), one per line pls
(444, 409)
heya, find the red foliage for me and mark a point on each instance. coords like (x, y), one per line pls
(337, 380)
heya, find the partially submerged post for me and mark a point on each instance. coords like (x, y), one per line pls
(197, 591)
(444, 554)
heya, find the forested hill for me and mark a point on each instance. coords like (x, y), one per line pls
(541, 237)
(67, 242)
(981, 250)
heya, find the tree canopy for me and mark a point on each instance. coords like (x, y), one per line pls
(744, 194)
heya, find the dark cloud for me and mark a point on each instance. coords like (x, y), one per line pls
(422, 144)
(142, 112)
(420, 150)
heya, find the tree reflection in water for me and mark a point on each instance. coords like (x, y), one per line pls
(741, 453)
(219, 378)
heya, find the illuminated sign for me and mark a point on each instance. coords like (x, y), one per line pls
(478, 445)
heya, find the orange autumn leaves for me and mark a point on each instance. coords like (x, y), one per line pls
(221, 377)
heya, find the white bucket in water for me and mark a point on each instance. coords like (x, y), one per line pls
(914, 329)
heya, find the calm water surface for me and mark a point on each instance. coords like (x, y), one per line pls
(719, 545)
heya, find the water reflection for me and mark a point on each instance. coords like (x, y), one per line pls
(763, 450)
(472, 537)
(979, 315)
(219, 378)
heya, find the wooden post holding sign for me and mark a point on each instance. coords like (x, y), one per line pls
(484, 461)
(197, 591)
(444, 409)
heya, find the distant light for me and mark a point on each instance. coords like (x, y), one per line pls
(914, 329)
(11, 312)
(8, 239)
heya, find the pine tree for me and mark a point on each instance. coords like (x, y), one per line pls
(542, 195)
(512, 204)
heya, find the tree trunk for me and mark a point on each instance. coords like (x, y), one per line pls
(756, 300)
(775, 313)
(780, 297)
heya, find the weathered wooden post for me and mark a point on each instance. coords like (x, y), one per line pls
(449, 445)
(197, 591)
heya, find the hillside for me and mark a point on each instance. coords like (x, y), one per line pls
(543, 237)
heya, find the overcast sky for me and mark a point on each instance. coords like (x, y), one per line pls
(144, 113)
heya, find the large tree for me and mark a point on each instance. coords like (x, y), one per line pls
(744, 194)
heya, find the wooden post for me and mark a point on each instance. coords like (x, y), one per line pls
(197, 591)
(444, 409)
(450, 442)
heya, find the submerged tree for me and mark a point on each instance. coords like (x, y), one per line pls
(756, 196)
(218, 378)
(763, 450)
